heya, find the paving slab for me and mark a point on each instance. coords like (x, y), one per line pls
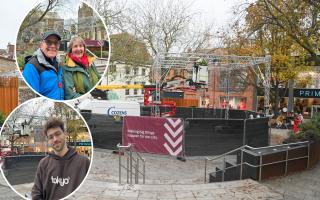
(170, 179)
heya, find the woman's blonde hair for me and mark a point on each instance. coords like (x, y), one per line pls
(74, 39)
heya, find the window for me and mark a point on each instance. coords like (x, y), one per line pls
(128, 69)
(127, 91)
(50, 24)
(136, 71)
(142, 90)
(135, 91)
(143, 72)
(235, 81)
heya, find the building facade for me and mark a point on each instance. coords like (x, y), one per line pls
(130, 65)
(128, 75)
(89, 24)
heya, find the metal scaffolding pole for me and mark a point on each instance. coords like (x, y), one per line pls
(227, 91)
(185, 61)
(267, 85)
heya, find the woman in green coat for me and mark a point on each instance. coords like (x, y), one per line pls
(80, 74)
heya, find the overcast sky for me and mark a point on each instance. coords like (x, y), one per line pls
(13, 12)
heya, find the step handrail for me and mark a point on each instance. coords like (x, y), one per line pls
(132, 165)
(94, 55)
(253, 148)
(244, 148)
(225, 154)
(131, 146)
(279, 145)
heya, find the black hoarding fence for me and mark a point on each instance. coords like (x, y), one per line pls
(21, 169)
(204, 134)
(106, 131)
(218, 136)
(257, 132)
(186, 112)
(212, 136)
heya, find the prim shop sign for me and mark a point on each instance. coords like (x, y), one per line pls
(307, 93)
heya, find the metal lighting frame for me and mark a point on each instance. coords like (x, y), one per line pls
(164, 62)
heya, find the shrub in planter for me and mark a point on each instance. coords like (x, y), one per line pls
(311, 131)
(311, 128)
(300, 136)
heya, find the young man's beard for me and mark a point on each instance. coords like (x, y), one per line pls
(61, 145)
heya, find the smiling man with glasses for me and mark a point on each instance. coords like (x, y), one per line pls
(42, 71)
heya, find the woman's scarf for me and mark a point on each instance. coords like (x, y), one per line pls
(83, 61)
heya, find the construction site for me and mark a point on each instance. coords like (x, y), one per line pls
(206, 120)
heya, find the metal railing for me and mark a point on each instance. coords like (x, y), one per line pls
(246, 148)
(132, 165)
(100, 62)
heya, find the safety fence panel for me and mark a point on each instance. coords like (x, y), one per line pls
(157, 135)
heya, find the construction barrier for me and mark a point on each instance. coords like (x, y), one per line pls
(21, 169)
(205, 136)
(202, 136)
(154, 135)
(185, 112)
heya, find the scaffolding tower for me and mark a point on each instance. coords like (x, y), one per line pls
(166, 61)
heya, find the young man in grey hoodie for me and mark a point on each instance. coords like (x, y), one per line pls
(60, 173)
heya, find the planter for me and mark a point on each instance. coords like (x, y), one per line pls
(314, 152)
(314, 149)
(274, 160)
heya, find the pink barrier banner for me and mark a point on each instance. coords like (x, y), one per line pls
(154, 135)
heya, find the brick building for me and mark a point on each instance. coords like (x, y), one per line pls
(213, 92)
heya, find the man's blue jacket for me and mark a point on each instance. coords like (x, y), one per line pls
(45, 78)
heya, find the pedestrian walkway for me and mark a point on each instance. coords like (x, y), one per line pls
(301, 186)
(298, 186)
(170, 179)
(6, 192)
(159, 169)
(238, 190)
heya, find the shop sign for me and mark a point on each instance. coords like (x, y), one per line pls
(307, 93)
(84, 144)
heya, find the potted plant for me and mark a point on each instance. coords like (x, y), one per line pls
(310, 130)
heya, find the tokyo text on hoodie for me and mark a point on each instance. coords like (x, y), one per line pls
(57, 177)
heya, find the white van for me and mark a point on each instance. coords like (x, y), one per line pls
(110, 108)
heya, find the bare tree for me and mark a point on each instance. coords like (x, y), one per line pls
(38, 13)
(14, 126)
(167, 25)
(112, 12)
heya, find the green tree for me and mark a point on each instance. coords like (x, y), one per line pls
(299, 19)
(74, 124)
(257, 38)
(2, 117)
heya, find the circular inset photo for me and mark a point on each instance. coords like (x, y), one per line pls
(62, 49)
(46, 149)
